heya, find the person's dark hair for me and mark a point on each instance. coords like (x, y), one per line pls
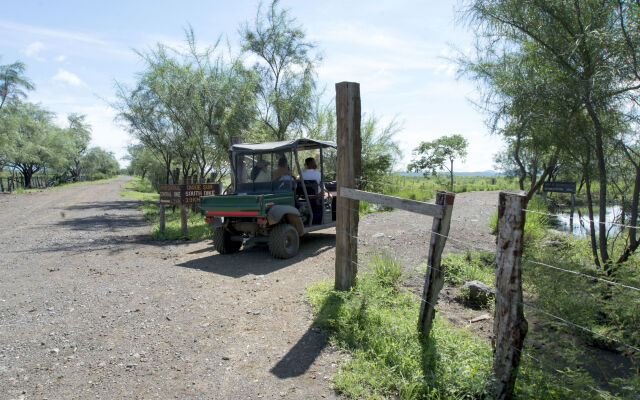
(283, 163)
(254, 172)
(310, 163)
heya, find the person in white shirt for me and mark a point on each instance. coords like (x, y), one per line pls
(310, 173)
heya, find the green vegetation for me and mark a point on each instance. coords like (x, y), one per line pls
(423, 188)
(376, 323)
(559, 82)
(30, 142)
(470, 266)
(142, 189)
(438, 155)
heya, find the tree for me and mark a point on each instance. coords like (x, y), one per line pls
(13, 83)
(380, 151)
(147, 121)
(78, 135)
(37, 141)
(583, 47)
(100, 164)
(143, 162)
(439, 155)
(286, 70)
(187, 105)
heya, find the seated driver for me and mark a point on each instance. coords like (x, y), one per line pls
(283, 173)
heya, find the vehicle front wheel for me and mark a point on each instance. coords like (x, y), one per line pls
(223, 243)
(284, 241)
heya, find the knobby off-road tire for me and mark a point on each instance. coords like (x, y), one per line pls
(223, 243)
(284, 241)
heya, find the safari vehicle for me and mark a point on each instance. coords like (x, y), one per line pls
(268, 204)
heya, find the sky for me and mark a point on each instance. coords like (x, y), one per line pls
(400, 52)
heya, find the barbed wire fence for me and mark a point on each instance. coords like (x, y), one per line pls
(510, 327)
(531, 308)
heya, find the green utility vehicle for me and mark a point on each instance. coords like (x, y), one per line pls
(270, 203)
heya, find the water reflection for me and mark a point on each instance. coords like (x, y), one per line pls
(562, 221)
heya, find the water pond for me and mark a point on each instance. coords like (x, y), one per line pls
(562, 221)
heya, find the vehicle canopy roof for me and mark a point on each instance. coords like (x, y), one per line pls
(269, 147)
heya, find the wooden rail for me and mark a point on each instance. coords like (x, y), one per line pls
(415, 206)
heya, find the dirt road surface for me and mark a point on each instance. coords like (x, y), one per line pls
(90, 308)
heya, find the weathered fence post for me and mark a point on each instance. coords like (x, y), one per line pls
(509, 325)
(349, 169)
(434, 278)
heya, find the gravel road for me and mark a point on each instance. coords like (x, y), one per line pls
(90, 308)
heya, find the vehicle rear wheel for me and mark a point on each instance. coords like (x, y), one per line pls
(284, 241)
(223, 243)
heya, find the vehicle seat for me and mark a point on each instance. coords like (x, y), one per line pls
(316, 204)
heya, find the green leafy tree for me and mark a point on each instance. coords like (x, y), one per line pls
(13, 83)
(591, 58)
(78, 135)
(380, 151)
(38, 141)
(439, 154)
(187, 105)
(144, 116)
(143, 163)
(286, 70)
(99, 163)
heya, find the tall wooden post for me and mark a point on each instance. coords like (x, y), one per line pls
(509, 325)
(349, 170)
(434, 278)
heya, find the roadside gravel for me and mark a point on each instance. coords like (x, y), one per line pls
(90, 308)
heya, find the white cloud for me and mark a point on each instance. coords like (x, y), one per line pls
(68, 77)
(62, 35)
(34, 49)
(60, 58)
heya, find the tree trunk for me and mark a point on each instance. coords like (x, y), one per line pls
(633, 222)
(451, 174)
(602, 193)
(592, 231)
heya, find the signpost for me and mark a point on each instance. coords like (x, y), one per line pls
(562, 187)
(183, 194)
(187, 193)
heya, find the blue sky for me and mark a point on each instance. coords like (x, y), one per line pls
(75, 51)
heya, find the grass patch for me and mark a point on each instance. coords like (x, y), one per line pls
(376, 323)
(141, 189)
(469, 266)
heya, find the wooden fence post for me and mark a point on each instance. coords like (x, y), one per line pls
(349, 169)
(509, 325)
(434, 278)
